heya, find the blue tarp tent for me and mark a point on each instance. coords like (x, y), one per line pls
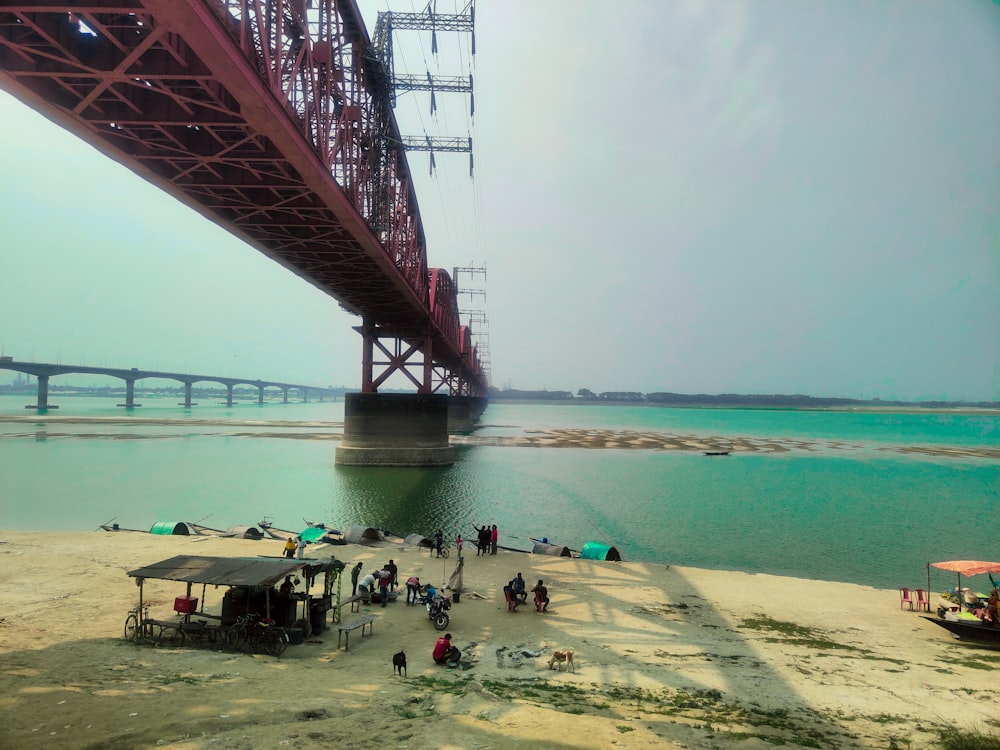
(598, 551)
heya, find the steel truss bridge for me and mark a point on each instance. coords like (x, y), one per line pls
(272, 118)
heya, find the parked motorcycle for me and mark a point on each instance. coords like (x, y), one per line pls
(437, 611)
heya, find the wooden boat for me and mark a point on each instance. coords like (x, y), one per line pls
(968, 631)
(717, 453)
(116, 527)
(281, 534)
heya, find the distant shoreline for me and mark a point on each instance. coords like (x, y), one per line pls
(867, 408)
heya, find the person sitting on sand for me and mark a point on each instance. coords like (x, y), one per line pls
(541, 597)
(518, 586)
(444, 652)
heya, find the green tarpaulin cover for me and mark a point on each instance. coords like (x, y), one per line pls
(313, 533)
(598, 551)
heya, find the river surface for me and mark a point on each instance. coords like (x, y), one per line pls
(864, 497)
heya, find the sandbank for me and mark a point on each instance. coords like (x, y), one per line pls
(666, 657)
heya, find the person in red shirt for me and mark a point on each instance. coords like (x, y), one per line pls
(384, 578)
(444, 652)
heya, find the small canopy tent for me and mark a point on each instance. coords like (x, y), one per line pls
(245, 532)
(363, 535)
(598, 551)
(964, 568)
(419, 540)
(168, 528)
(556, 550)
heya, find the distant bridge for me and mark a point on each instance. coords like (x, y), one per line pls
(44, 371)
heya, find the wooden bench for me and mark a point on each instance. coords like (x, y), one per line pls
(344, 631)
(356, 602)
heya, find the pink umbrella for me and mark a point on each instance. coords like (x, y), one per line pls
(963, 567)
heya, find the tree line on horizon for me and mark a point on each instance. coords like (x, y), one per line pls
(707, 399)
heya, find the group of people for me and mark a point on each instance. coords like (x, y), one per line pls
(293, 546)
(386, 579)
(486, 540)
(517, 589)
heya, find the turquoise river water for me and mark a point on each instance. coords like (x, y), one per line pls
(863, 497)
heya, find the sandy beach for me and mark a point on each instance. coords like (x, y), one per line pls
(666, 657)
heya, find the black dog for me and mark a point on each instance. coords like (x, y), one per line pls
(399, 663)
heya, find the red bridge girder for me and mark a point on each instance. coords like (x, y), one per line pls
(273, 120)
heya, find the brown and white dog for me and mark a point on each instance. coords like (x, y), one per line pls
(563, 657)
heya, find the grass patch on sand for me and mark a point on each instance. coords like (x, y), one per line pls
(953, 738)
(797, 635)
(735, 721)
(977, 661)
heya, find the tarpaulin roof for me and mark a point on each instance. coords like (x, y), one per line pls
(313, 533)
(223, 571)
(599, 551)
(968, 567)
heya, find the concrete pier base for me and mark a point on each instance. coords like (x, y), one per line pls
(464, 412)
(395, 429)
(43, 395)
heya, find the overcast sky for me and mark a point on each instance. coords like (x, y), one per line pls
(775, 196)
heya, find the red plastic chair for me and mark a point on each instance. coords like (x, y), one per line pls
(923, 601)
(905, 598)
(511, 600)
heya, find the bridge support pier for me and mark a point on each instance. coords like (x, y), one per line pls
(395, 429)
(464, 412)
(229, 394)
(130, 395)
(187, 397)
(43, 395)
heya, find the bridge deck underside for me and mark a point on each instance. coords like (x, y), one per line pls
(137, 91)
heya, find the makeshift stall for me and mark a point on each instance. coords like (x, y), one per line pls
(250, 596)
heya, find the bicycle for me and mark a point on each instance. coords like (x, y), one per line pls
(136, 627)
(257, 636)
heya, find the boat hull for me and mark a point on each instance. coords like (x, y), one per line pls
(968, 631)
